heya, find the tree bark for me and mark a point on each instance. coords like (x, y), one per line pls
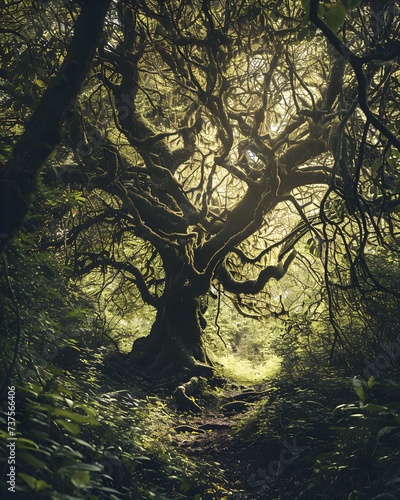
(175, 342)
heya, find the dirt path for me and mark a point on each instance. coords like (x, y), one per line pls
(213, 435)
(218, 435)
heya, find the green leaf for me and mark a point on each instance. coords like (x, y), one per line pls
(371, 382)
(55, 370)
(5, 150)
(91, 413)
(80, 479)
(68, 469)
(394, 481)
(77, 417)
(69, 426)
(31, 460)
(385, 430)
(54, 395)
(24, 443)
(376, 165)
(83, 443)
(360, 393)
(70, 403)
(335, 16)
(33, 483)
(375, 408)
(62, 389)
(111, 491)
(33, 388)
(392, 162)
(40, 83)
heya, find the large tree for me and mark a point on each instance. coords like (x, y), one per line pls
(199, 121)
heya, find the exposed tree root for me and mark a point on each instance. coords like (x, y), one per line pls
(184, 395)
(168, 356)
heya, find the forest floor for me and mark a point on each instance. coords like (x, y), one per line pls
(320, 435)
(283, 439)
(217, 443)
(248, 472)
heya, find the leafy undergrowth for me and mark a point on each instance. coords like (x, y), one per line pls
(326, 439)
(92, 433)
(97, 432)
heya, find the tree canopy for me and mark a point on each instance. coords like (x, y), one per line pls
(192, 131)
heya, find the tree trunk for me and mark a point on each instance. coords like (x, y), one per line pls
(19, 175)
(175, 342)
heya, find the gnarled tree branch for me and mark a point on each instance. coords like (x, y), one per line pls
(254, 286)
